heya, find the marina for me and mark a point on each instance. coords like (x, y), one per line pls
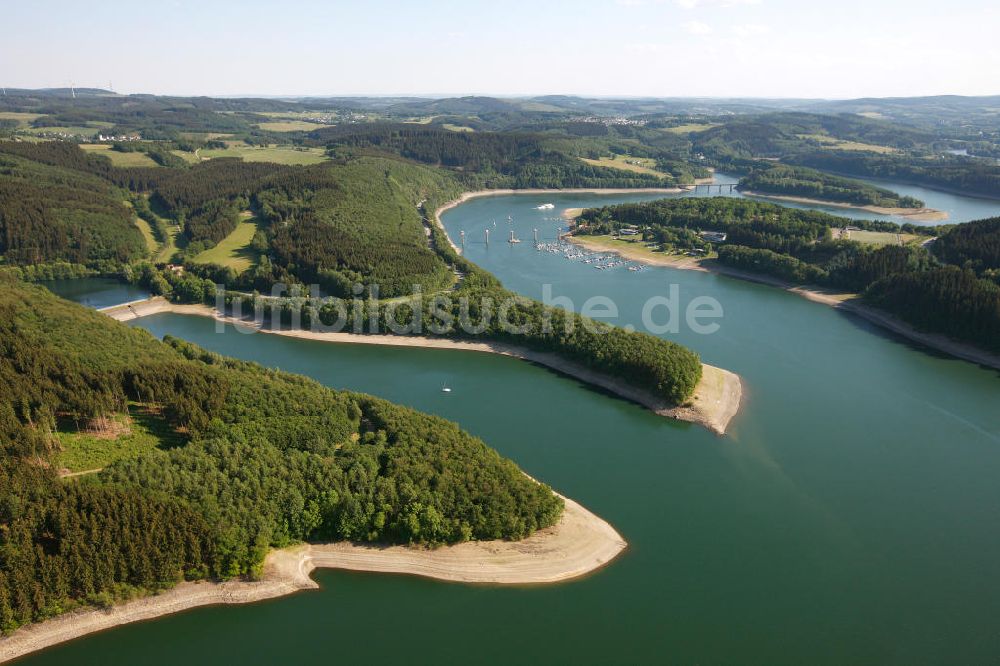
(791, 507)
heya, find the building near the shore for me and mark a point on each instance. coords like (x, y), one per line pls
(713, 236)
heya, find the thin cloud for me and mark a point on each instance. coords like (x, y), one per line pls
(693, 4)
(749, 29)
(697, 28)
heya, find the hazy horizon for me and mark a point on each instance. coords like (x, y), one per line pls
(502, 96)
(764, 49)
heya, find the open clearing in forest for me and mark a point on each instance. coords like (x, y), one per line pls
(275, 154)
(118, 158)
(147, 233)
(633, 164)
(291, 126)
(233, 250)
(119, 436)
(882, 237)
(833, 143)
(689, 128)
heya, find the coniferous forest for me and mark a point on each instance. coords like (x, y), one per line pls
(266, 459)
(812, 184)
(361, 220)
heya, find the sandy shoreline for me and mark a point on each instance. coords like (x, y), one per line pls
(844, 301)
(715, 402)
(578, 544)
(922, 214)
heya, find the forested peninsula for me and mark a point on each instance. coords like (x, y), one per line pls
(947, 284)
(361, 222)
(806, 185)
(244, 459)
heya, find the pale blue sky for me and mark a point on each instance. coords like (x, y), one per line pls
(780, 48)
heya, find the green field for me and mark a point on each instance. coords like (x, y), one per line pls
(233, 250)
(204, 136)
(633, 164)
(839, 144)
(23, 119)
(170, 247)
(276, 154)
(139, 433)
(689, 128)
(147, 233)
(77, 130)
(118, 158)
(290, 126)
(882, 238)
(188, 157)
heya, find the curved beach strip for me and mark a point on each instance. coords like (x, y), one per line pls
(578, 190)
(578, 544)
(843, 301)
(716, 399)
(923, 214)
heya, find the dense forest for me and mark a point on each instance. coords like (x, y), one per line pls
(778, 135)
(255, 458)
(333, 224)
(49, 213)
(852, 145)
(664, 369)
(746, 222)
(950, 173)
(359, 221)
(975, 245)
(486, 159)
(951, 288)
(812, 184)
(947, 300)
(267, 459)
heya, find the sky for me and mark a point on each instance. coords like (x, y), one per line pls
(635, 48)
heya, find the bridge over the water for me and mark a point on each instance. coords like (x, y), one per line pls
(708, 187)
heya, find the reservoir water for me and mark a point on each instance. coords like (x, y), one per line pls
(97, 292)
(960, 208)
(851, 516)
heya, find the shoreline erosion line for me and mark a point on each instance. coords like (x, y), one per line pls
(922, 214)
(466, 196)
(846, 302)
(715, 402)
(580, 543)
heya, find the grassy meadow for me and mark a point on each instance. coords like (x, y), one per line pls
(142, 431)
(133, 159)
(633, 164)
(233, 250)
(275, 154)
